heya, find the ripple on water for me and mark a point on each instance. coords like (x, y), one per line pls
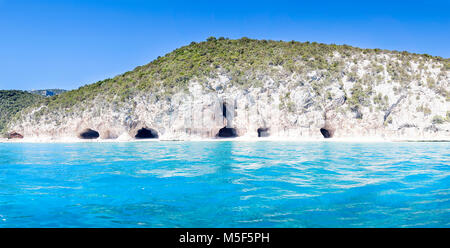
(225, 184)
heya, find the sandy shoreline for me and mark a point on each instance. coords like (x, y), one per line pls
(238, 139)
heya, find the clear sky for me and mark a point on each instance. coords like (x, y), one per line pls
(70, 43)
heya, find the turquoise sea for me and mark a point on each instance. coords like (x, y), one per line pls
(225, 184)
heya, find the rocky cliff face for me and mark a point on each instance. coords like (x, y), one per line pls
(359, 95)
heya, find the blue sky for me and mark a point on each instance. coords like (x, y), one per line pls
(68, 43)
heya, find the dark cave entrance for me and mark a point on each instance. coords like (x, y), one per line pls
(15, 135)
(227, 133)
(326, 133)
(146, 133)
(263, 132)
(224, 110)
(89, 134)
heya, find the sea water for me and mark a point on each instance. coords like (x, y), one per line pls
(225, 184)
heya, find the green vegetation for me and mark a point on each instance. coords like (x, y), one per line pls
(359, 97)
(243, 61)
(437, 119)
(287, 103)
(388, 120)
(424, 109)
(381, 102)
(13, 101)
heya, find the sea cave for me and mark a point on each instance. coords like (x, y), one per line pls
(89, 134)
(226, 132)
(263, 132)
(326, 133)
(146, 133)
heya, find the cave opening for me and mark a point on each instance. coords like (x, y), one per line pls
(146, 133)
(326, 133)
(89, 134)
(15, 135)
(263, 132)
(224, 110)
(226, 132)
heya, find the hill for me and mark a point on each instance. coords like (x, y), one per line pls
(290, 88)
(12, 102)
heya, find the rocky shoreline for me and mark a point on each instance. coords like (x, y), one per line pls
(237, 139)
(315, 91)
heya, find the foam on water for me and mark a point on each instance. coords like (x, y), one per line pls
(225, 184)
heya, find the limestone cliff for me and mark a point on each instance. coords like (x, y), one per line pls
(229, 88)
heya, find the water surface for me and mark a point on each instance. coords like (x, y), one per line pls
(225, 184)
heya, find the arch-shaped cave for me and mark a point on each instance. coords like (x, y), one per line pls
(263, 132)
(15, 135)
(146, 133)
(226, 132)
(327, 133)
(89, 134)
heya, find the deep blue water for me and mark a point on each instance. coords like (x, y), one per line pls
(225, 184)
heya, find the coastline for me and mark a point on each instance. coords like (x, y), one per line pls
(236, 139)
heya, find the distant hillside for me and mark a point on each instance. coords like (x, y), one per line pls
(242, 60)
(47, 92)
(13, 101)
(293, 89)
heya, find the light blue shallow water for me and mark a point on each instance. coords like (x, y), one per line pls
(225, 184)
